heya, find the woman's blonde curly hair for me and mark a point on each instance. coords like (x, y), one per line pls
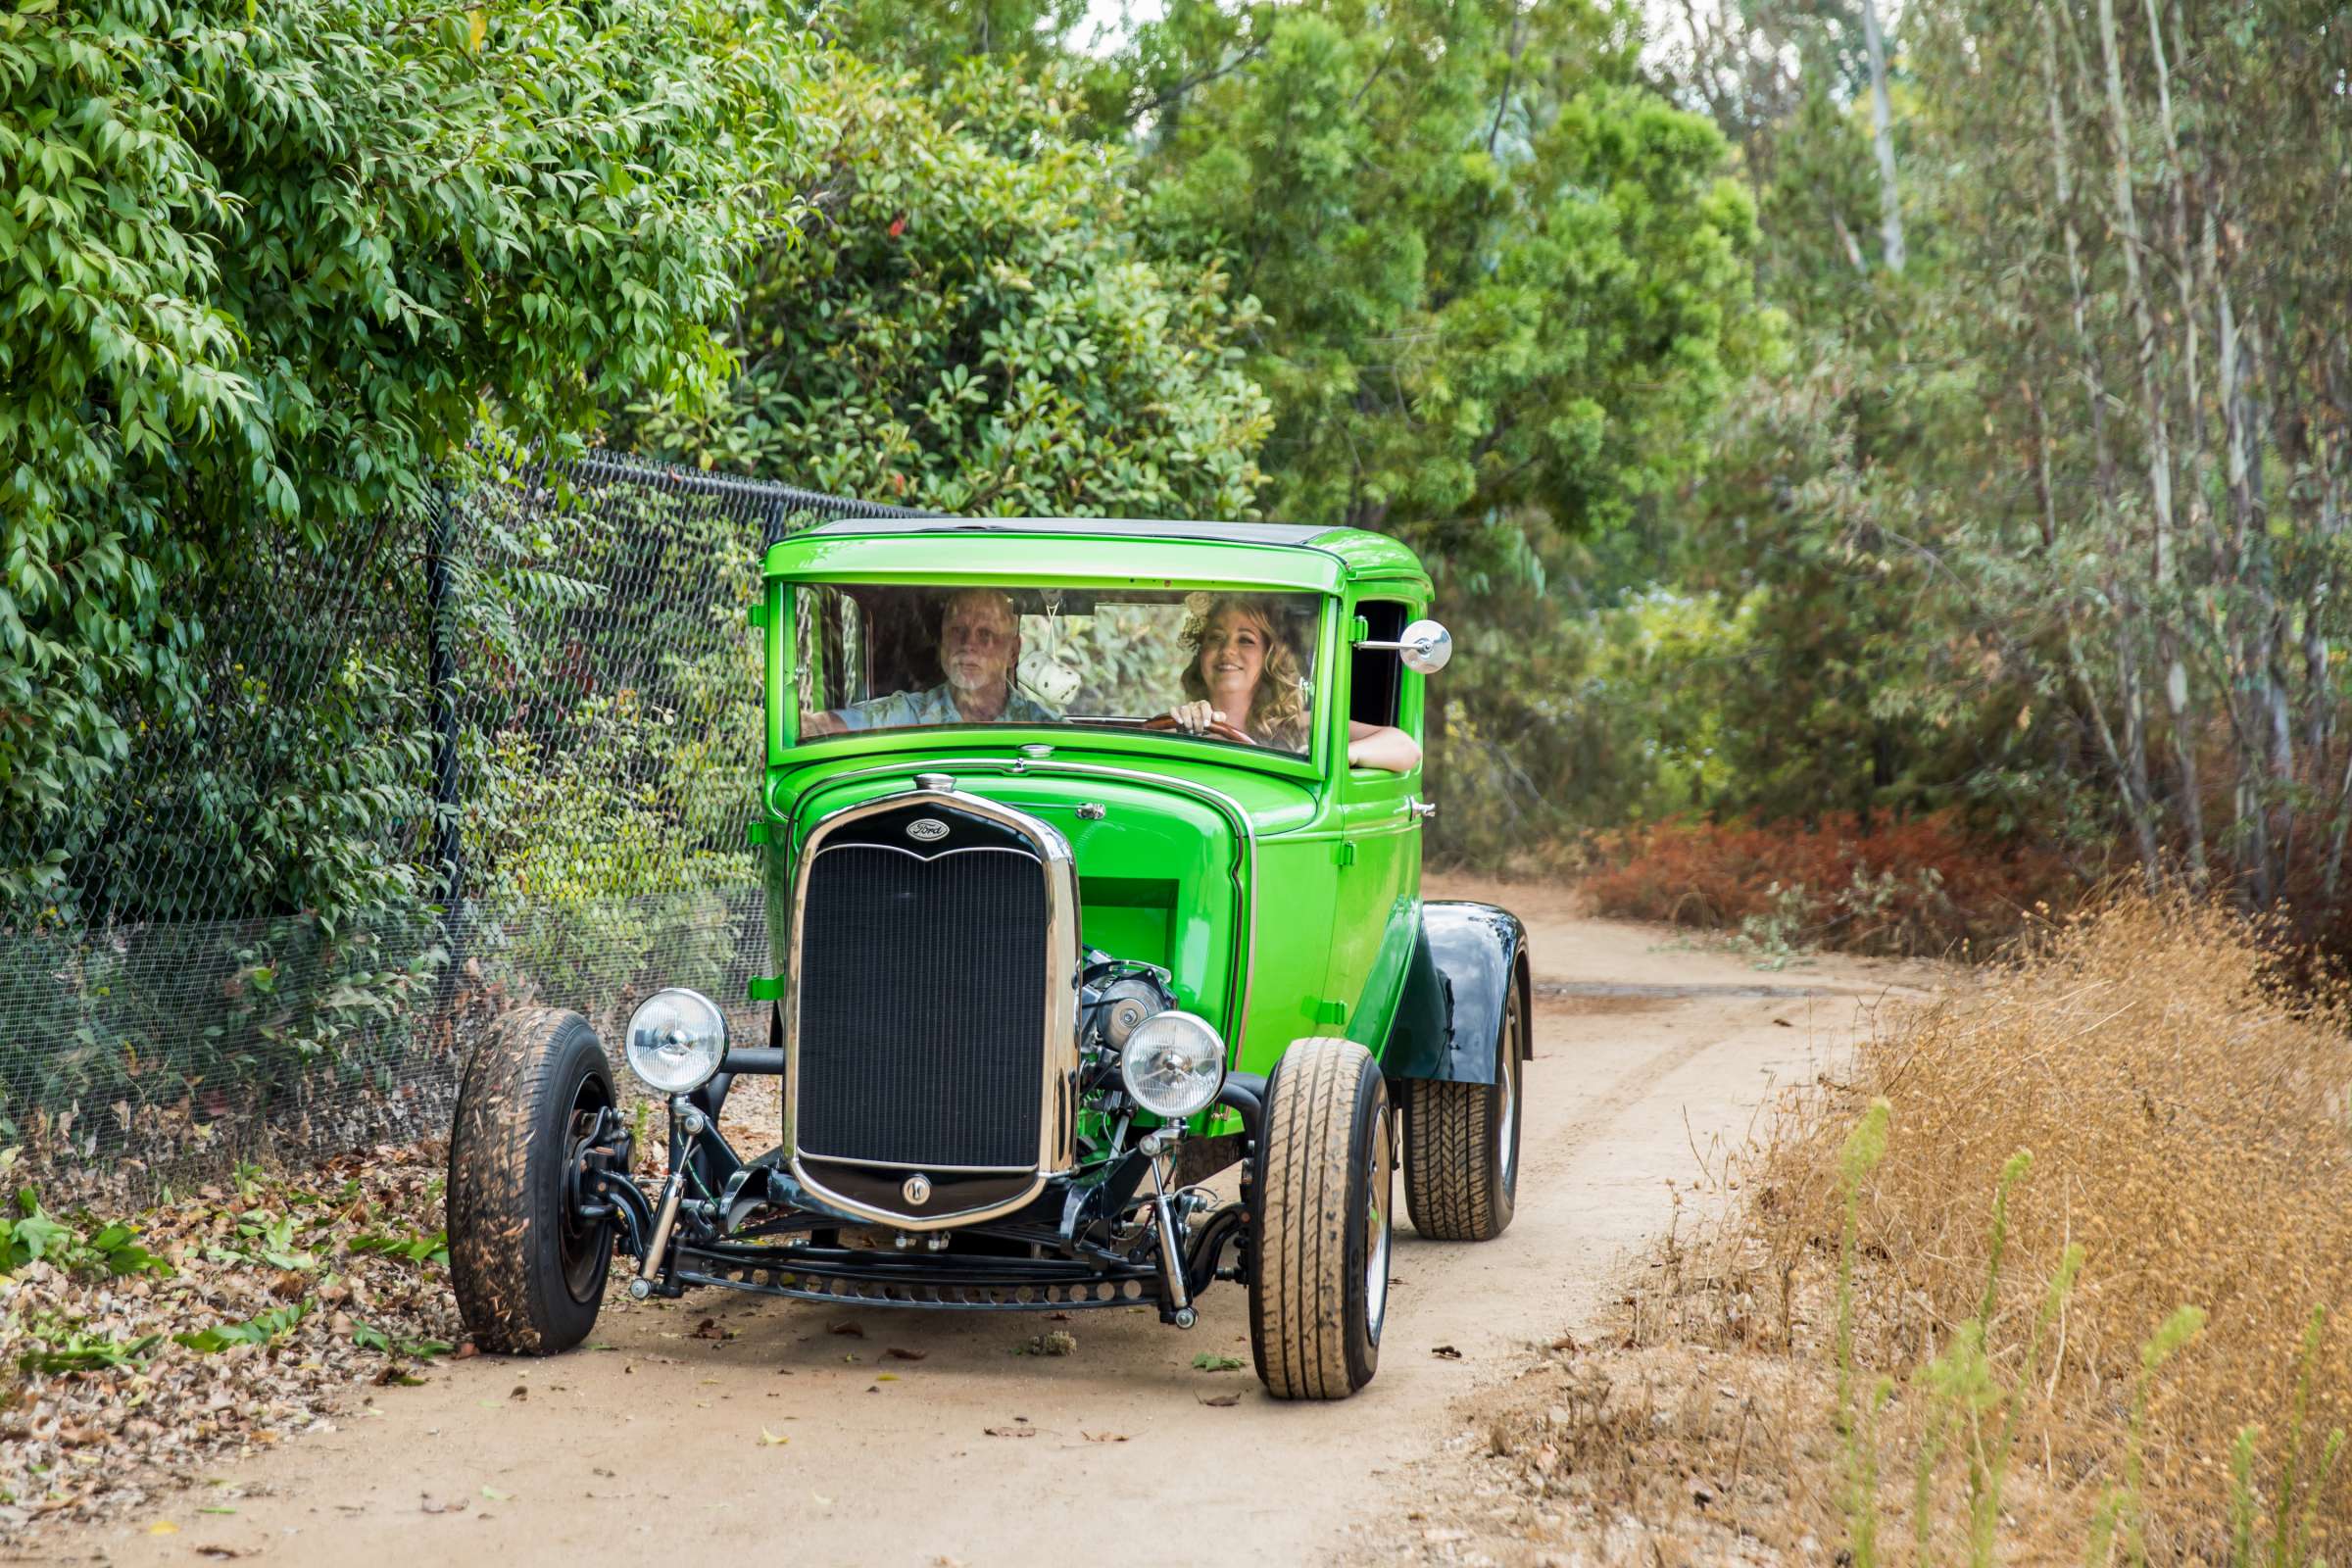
(1277, 706)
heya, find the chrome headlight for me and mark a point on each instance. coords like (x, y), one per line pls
(1173, 1064)
(676, 1040)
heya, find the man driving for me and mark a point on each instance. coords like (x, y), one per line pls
(979, 649)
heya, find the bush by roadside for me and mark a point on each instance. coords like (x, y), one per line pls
(1922, 887)
(2054, 1272)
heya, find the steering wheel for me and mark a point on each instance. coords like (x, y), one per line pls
(1216, 729)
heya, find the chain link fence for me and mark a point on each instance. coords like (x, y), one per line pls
(500, 753)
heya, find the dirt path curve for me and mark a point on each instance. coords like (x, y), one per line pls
(660, 1443)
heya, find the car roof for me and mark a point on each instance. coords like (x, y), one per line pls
(1135, 552)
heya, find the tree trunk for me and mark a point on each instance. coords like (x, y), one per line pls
(2128, 755)
(2160, 459)
(2135, 804)
(1881, 135)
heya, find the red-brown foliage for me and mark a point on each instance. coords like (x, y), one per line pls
(1921, 886)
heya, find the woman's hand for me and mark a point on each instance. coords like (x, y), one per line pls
(1194, 718)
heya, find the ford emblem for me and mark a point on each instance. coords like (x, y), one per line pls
(926, 830)
(917, 1190)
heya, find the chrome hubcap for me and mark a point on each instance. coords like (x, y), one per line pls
(1379, 1181)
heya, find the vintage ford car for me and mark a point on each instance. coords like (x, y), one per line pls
(1093, 859)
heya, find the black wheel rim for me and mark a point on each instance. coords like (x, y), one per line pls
(584, 1246)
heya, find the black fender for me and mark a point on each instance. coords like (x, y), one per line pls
(1465, 961)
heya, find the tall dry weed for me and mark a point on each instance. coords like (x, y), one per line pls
(2187, 1116)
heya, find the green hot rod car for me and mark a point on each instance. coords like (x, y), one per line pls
(1094, 871)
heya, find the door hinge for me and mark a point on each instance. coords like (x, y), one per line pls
(756, 831)
(1344, 853)
(756, 616)
(768, 987)
(1332, 1013)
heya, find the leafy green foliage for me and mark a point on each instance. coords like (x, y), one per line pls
(974, 326)
(33, 1235)
(434, 1249)
(934, 36)
(60, 1346)
(1500, 275)
(375, 1339)
(265, 269)
(264, 1329)
(262, 1236)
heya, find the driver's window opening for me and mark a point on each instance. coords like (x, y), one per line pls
(1235, 667)
(1376, 675)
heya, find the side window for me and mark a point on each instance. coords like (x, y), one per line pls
(1376, 675)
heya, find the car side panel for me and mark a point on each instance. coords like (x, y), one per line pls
(1296, 894)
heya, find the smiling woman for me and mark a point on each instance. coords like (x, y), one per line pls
(876, 657)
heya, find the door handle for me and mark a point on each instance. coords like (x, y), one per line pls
(1422, 810)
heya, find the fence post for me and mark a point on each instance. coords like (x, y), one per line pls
(449, 853)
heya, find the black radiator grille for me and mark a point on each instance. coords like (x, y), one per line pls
(922, 1007)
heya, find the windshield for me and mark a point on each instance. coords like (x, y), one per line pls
(1234, 668)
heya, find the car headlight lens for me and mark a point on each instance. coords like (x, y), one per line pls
(1173, 1064)
(676, 1040)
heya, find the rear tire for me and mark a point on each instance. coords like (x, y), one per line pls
(1461, 1144)
(527, 1277)
(1323, 1189)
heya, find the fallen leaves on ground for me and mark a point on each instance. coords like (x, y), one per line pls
(1446, 1352)
(1010, 1432)
(856, 1331)
(1222, 1401)
(899, 1352)
(229, 1315)
(1211, 1361)
(1055, 1341)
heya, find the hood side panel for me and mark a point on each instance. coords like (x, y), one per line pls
(1161, 873)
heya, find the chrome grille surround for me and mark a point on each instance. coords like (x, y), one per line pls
(1056, 1151)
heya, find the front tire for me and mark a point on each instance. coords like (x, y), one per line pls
(528, 1277)
(1324, 1189)
(1461, 1144)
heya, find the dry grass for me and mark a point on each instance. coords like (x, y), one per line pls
(2186, 1117)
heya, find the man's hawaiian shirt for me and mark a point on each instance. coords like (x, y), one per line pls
(934, 707)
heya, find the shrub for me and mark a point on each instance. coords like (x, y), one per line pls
(1921, 886)
(592, 890)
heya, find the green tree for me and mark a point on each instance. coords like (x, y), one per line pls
(973, 325)
(264, 271)
(1499, 273)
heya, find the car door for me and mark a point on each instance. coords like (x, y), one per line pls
(1379, 850)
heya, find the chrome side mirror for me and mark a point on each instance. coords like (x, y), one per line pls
(1425, 647)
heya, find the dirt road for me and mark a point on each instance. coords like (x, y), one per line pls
(791, 1434)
